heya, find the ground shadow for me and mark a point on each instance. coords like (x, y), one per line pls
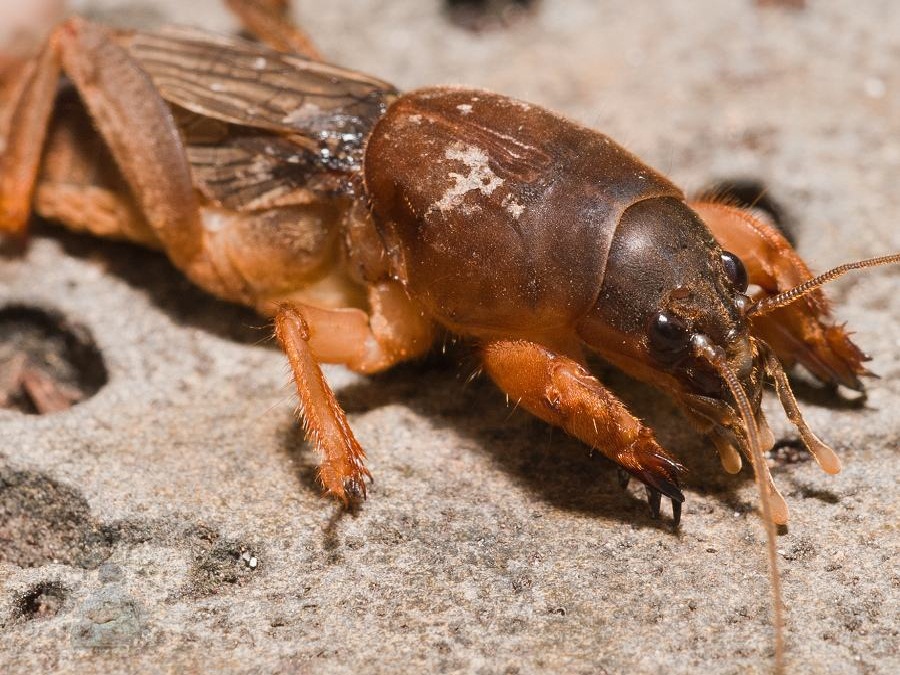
(556, 467)
(832, 397)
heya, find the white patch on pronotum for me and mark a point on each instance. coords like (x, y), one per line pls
(464, 108)
(514, 208)
(480, 177)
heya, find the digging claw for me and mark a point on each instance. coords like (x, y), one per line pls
(659, 474)
(676, 514)
(354, 490)
(654, 498)
(663, 478)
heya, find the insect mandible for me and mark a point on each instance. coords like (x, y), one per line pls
(367, 222)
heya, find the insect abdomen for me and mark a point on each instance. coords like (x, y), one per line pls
(498, 215)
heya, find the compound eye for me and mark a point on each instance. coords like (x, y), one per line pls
(669, 337)
(735, 271)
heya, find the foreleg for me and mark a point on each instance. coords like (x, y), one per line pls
(560, 391)
(802, 332)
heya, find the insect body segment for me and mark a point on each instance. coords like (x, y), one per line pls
(514, 204)
(366, 221)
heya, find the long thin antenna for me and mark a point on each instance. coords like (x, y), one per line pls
(768, 304)
(716, 357)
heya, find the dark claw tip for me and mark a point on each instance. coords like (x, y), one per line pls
(654, 498)
(676, 514)
(664, 485)
(355, 490)
(661, 480)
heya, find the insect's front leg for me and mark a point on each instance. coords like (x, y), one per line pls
(394, 331)
(562, 392)
(803, 331)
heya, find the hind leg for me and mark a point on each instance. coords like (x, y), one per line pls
(799, 333)
(134, 122)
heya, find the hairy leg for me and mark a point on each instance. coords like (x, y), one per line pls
(560, 391)
(341, 469)
(28, 102)
(120, 99)
(802, 332)
(310, 335)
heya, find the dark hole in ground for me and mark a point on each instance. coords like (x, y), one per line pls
(41, 601)
(751, 193)
(486, 14)
(47, 363)
(43, 521)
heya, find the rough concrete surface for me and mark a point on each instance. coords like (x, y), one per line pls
(171, 523)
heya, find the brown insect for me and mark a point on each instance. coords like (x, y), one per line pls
(367, 222)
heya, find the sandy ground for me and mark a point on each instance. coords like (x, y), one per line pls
(171, 523)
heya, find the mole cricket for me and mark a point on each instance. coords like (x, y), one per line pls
(368, 221)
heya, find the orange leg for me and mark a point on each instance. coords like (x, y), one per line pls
(269, 21)
(394, 332)
(341, 470)
(798, 333)
(120, 99)
(27, 104)
(562, 392)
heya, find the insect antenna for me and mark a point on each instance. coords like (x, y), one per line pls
(772, 504)
(766, 305)
(825, 456)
